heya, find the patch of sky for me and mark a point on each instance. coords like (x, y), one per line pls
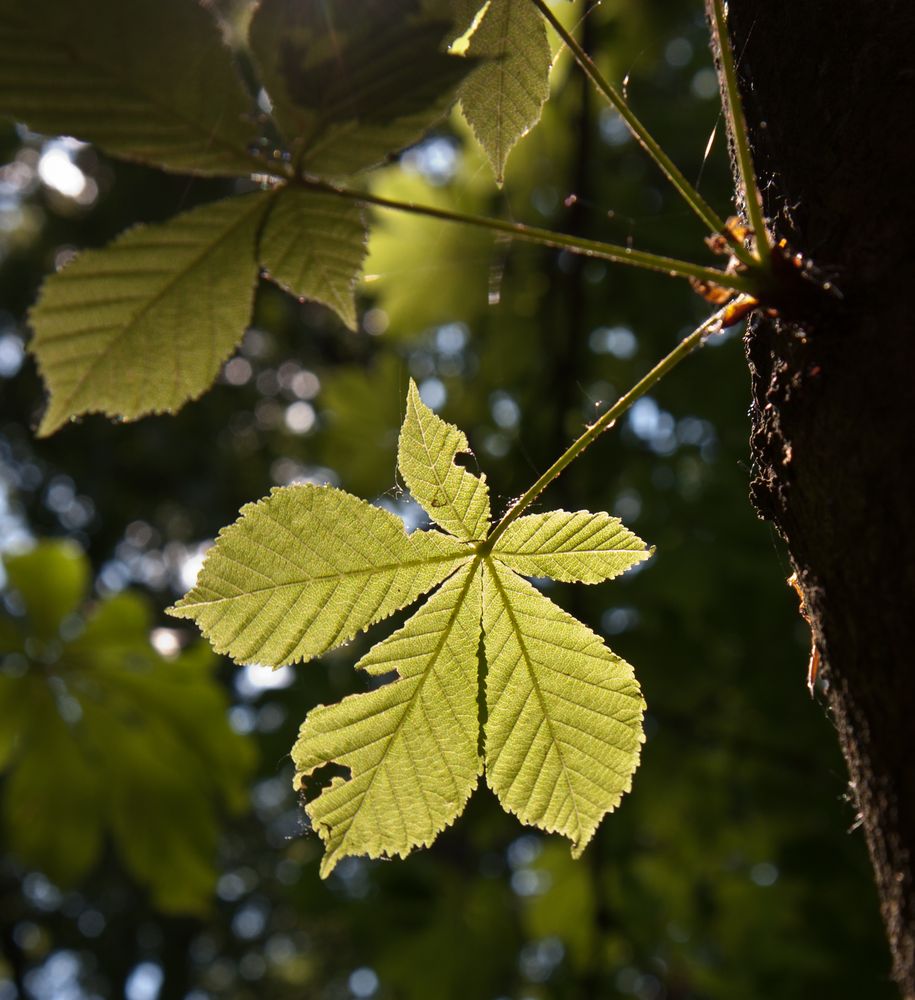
(436, 159)
(363, 983)
(144, 982)
(618, 341)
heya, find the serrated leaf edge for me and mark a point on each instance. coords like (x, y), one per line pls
(645, 553)
(181, 608)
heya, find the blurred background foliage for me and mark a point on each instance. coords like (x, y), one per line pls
(153, 845)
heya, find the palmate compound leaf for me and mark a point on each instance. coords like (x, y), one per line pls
(173, 300)
(308, 567)
(503, 98)
(144, 324)
(352, 84)
(148, 80)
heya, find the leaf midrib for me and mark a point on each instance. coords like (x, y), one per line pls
(130, 325)
(548, 553)
(500, 120)
(409, 705)
(387, 567)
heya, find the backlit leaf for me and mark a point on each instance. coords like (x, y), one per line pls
(352, 85)
(313, 245)
(564, 725)
(148, 80)
(463, 12)
(454, 498)
(51, 579)
(578, 547)
(100, 736)
(503, 98)
(179, 691)
(306, 569)
(412, 745)
(53, 803)
(10, 715)
(144, 324)
(409, 254)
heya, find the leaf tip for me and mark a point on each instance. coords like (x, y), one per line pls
(348, 316)
(176, 610)
(578, 848)
(415, 404)
(48, 427)
(54, 417)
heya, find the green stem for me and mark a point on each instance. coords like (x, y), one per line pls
(646, 140)
(739, 132)
(546, 237)
(605, 422)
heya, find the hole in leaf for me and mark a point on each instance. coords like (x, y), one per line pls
(466, 460)
(310, 786)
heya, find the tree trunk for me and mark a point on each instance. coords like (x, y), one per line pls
(829, 92)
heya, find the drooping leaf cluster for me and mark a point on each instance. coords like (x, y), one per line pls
(143, 325)
(102, 737)
(307, 568)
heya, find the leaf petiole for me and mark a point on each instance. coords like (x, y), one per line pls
(739, 132)
(546, 237)
(703, 211)
(605, 422)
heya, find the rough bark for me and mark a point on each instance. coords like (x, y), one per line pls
(829, 92)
